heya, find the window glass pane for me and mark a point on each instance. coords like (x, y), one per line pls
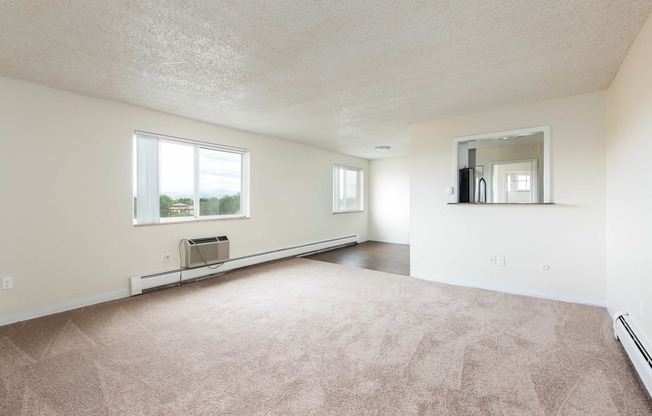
(134, 182)
(176, 180)
(351, 190)
(220, 182)
(523, 182)
(347, 189)
(341, 188)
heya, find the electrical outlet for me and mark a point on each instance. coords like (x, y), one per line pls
(500, 260)
(165, 257)
(7, 282)
(492, 260)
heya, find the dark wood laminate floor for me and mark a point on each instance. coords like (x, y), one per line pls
(373, 255)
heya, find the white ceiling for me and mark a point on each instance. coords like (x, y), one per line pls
(340, 75)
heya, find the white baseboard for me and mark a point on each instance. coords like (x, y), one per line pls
(635, 345)
(173, 277)
(62, 307)
(518, 290)
(138, 284)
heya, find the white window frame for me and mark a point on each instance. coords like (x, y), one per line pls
(339, 189)
(147, 179)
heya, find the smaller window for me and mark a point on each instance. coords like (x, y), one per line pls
(523, 183)
(347, 189)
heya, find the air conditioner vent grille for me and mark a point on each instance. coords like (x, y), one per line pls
(198, 252)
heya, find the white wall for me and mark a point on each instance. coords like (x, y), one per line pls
(66, 189)
(629, 190)
(389, 207)
(453, 243)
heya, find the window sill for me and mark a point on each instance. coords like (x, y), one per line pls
(347, 212)
(191, 221)
(501, 203)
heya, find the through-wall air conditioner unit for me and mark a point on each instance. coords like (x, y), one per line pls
(198, 252)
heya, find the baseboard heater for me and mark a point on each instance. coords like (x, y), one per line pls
(140, 284)
(636, 348)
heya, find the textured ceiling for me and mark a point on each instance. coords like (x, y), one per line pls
(340, 75)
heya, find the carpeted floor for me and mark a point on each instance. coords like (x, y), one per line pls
(302, 337)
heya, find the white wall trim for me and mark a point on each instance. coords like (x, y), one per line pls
(172, 277)
(138, 284)
(518, 290)
(62, 307)
(634, 348)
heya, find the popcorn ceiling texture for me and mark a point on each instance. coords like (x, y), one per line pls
(339, 75)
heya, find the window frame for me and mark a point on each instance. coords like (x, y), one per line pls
(337, 189)
(197, 146)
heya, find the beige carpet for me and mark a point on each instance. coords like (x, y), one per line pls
(302, 337)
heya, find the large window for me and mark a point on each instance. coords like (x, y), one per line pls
(180, 180)
(347, 189)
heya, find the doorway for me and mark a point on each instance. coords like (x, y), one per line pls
(514, 182)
